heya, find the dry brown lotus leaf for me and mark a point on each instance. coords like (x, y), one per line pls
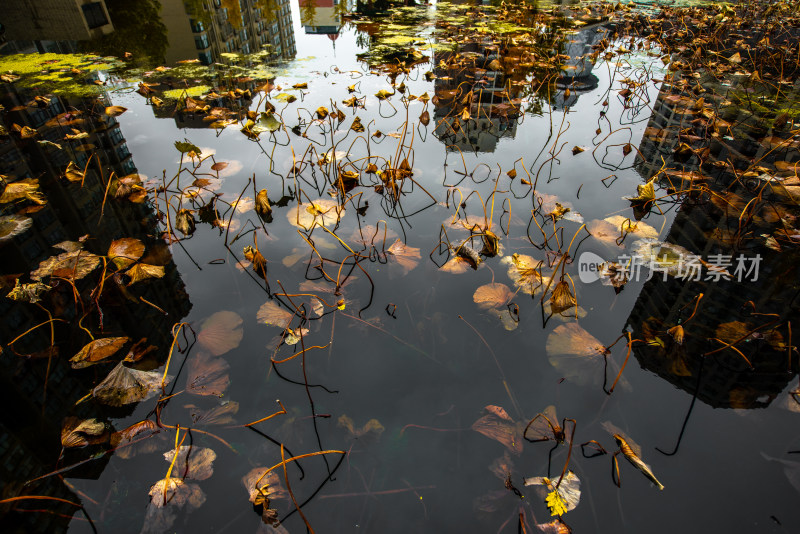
(576, 353)
(176, 492)
(612, 429)
(124, 385)
(562, 299)
(539, 429)
(523, 270)
(218, 166)
(73, 173)
(80, 433)
(196, 463)
(28, 292)
(456, 265)
(207, 375)
(27, 188)
(322, 212)
(135, 432)
(556, 526)
(269, 487)
(407, 257)
(732, 331)
(144, 271)
(221, 332)
(293, 336)
(505, 317)
(218, 415)
(124, 252)
(624, 226)
(115, 111)
(500, 429)
(494, 295)
(272, 314)
(13, 225)
(70, 265)
(97, 350)
(372, 428)
(371, 235)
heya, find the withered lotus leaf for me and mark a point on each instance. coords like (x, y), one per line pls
(97, 350)
(263, 209)
(176, 492)
(493, 295)
(576, 353)
(221, 414)
(456, 265)
(569, 490)
(71, 265)
(625, 226)
(372, 428)
(124, 252)
(80, 433)
(115, 111)
(144, 271)
(136, 431)
(207, 375)
(523, 270)
(254, 256)
(218, 166)
(196, 463)
(293, 336)
(124, 385)
(268, 487)
(184, 221)
(562, 298)
(221, 332)
(13, 225)
(28, 292)
(73, 173)
(322, 212)
(27, 188)
(732, 331)
(272, 314)
(501, 429)
(405, 256)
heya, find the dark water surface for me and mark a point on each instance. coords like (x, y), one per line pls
(402, 355)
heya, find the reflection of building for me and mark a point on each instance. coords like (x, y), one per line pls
(206, 29)
(30, 433)
(576, 74)
(323, 16)
(58, 20)
(476, 103)
(704, 229)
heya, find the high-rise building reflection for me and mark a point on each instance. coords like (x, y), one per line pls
(37, 380)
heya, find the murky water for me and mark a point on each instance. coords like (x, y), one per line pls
(413, 278)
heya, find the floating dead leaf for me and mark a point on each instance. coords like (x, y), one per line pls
(561, 499)
(293, 336)
(268, 488)
(494, 295)
(73, 173)
(143, 271)
(137, 432)
(70, 265)
(124, 385)
(272, 314)
(28, 292)
(193, 462)
(626, 226)
(25, 189)
(576, 353)
(405, 256)
(456, 265)
(221, 332)
(501, 429)
(97, 350)
(263, 209)
(124, 252)
(80, 433)
(176, 492)
(322, 212)
(207, 375)
(218, 166)
(221, 414)
(577, 150)
(545, 427)
(371, 430)
(562, 299)
(13, 225)
(523, 270)
(115, 111)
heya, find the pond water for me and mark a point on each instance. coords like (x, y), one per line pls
(448, 248)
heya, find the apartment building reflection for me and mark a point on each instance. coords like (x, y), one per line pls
(30, 433)
(206, 29)
(701, 226)
(576, 76)
(324, 17)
